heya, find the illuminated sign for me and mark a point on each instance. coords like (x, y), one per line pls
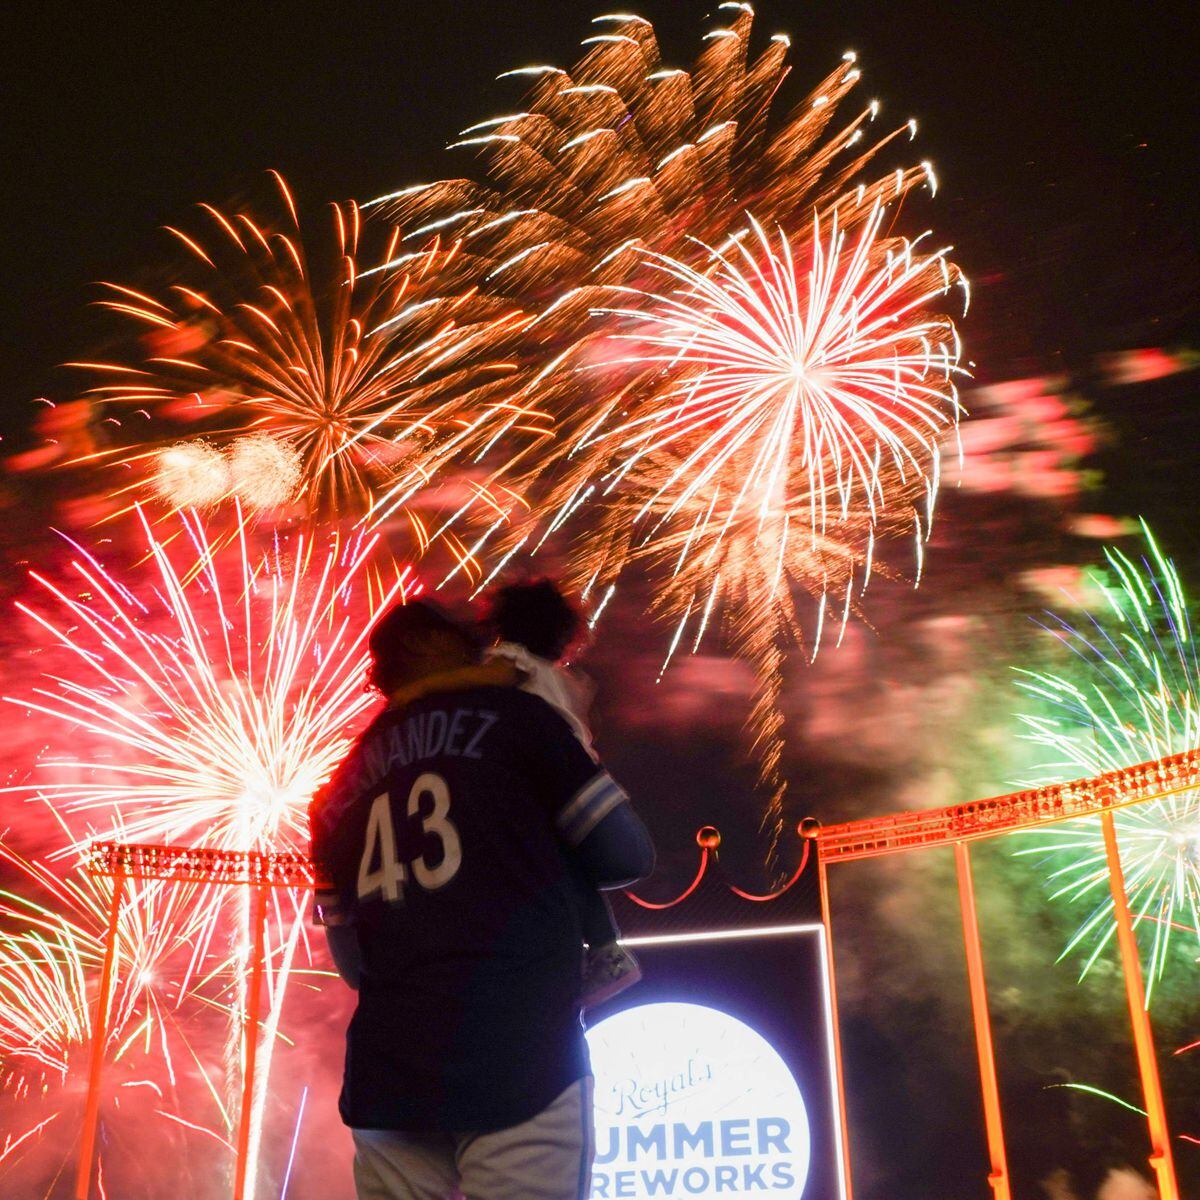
(692, 1102)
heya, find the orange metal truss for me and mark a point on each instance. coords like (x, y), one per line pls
(960, 824)
(956, 825)
(180, 864)
(1006, 814)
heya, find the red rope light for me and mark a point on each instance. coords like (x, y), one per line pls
(650, 904)
(709, 839)
(737, 891)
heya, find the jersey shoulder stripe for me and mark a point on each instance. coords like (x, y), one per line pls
(588, 807)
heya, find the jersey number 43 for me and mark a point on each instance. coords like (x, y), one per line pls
(391, 874)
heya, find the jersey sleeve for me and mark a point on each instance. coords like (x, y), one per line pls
(576, 789)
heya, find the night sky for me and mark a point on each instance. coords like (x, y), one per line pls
(1064, 137)
(1064, 140)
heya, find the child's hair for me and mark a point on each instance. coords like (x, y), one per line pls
(535, 615)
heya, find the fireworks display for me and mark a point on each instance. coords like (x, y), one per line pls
(674, 329)
(1133, 695)
(618, 169)
(318, 377)
(205, 697)
(749, 368)
(682, 337)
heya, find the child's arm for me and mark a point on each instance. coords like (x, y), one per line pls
(496, 672)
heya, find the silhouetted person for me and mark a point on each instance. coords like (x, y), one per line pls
(448, 844)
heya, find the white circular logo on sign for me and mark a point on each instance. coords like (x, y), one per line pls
(691, 1102)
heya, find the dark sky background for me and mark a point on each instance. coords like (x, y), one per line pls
(1064, 136)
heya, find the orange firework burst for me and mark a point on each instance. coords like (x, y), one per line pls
(748, 365)
(620, 175)
(621, 160)
(304, 377)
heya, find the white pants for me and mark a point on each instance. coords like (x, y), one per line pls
(548, 1157)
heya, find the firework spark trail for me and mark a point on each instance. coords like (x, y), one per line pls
(287, 1175)
(782, 415)
(224, 684)
(1133, 696)
(801, 369)
(321, 382)
(752, 565)
(11, 1144)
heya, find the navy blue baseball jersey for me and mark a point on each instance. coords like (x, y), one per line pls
(444, 839)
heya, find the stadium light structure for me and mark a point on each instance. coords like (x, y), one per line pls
(956, 826)
(131, 862)
(959, 825)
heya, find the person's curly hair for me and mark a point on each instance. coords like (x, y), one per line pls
(535, 615)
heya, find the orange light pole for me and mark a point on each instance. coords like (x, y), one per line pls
(1161, 1158)
(188, 864)
(843, 1120)
(91, 1113)
(984, 1048)
(253, 1004)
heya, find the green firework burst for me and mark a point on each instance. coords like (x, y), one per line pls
(1133, 695)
